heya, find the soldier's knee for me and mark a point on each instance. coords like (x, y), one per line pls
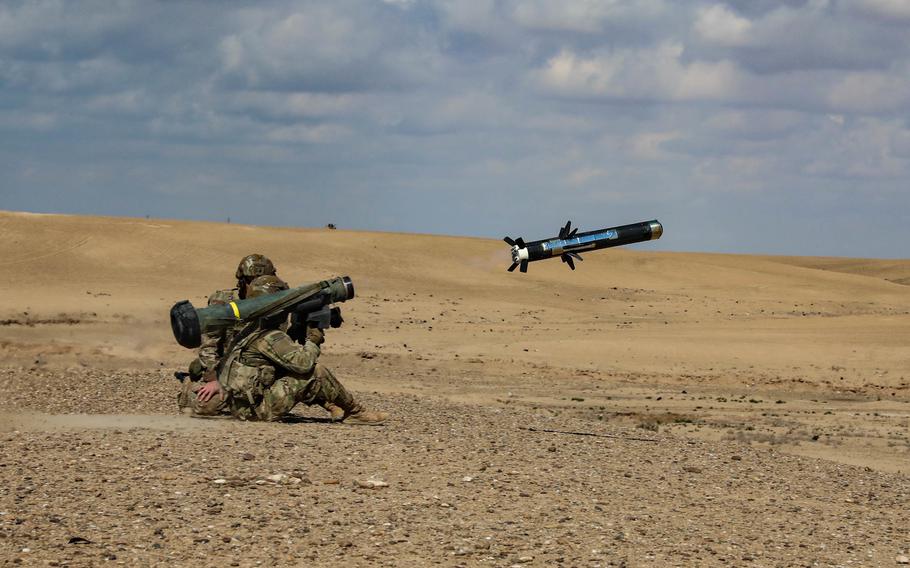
(211, 407)
(277, 401)
(189, 403)
(320, 371)
(186, 398)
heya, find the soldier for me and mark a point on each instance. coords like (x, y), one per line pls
(267, 373)
(251, 267)
(203, 368)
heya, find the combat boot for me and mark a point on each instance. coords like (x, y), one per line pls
(336, 413)
(326, 390)
(357, 414)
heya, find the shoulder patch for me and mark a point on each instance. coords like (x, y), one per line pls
(220, 297)
(274, 336)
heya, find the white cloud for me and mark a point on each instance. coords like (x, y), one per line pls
(757, 124)
(585, 175)
(296, 104)
(305, 133)
(633, 106)
(647, 74)
(871, 92)
(53, 26)
(471, 15)
(585, 16)
(648, 145)
(320, 47)
(734, 173)
(868, 148)
(96, 74)
(888, 9)
(130, 101)
(719, 25)
(35, 121)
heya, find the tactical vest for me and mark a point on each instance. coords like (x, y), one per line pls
(242, 380)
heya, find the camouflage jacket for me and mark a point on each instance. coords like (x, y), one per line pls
(263, 357)
(213, 344)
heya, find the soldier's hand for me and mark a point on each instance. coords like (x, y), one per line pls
(208, 390)
(209, 376)
(315, 335)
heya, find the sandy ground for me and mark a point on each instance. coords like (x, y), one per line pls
(649, 409)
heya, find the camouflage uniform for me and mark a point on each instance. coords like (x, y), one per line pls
(213, 344)
(268, 373)
(210, 352)
(251, 268)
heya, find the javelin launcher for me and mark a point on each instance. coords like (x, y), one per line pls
(310, 302)
(570, 242)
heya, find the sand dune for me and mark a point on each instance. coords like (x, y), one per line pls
(729, 354)
(621, 311)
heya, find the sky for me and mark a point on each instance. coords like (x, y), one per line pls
(744, 126)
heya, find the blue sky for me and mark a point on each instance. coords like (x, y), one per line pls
(744, 126)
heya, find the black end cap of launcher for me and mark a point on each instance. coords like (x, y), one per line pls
(185, 325)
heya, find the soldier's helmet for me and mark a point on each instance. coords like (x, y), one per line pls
(254, 265)
(268, 284)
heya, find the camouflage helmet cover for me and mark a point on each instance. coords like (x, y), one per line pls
(221, 297)
(268, 284)
(254, 265)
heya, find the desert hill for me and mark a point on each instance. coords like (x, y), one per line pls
(621, 311)
(717, 403)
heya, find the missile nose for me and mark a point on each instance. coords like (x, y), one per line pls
(656, 230)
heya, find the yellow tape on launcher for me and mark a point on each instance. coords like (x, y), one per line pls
(308, 302)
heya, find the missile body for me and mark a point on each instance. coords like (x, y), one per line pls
(570, 242)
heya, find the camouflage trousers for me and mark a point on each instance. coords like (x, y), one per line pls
(189, 404)
(320, 387)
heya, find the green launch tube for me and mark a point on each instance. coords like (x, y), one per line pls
(189, 323)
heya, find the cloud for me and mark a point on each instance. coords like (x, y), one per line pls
(871, 92)
(718, 25)
(657, 73)
(463, 117)
(36, 121)
(650, 145)
(56, 29)
(758, 124)
(288, 105)
(867, 149)
(305, 133)
(583, 16)
(890, 11)
(325, 48)
(814, 35)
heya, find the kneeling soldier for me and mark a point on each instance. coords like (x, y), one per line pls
(267, 373)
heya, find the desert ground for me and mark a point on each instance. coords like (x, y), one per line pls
(648, 409)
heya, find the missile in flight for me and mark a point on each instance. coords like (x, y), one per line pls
(570, 242)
